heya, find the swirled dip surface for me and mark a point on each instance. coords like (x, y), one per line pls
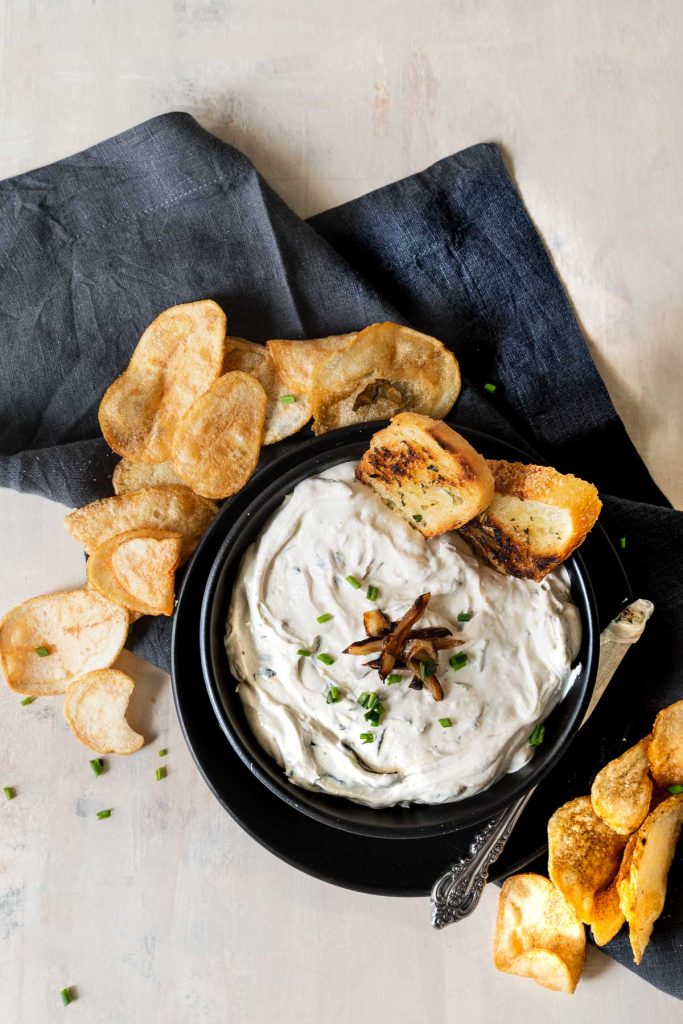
(520, 644)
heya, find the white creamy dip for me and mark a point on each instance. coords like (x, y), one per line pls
(520, 644)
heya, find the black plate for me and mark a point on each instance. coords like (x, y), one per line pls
(239, 530)
(380, 866)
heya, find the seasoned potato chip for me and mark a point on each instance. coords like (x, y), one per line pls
(218, 441)
(583, 854)
(653, 851)
(385, 370)
(131, 476)
(136, 569)
(162, 508)
(178, 357)
(297, 361)
(623, 879)
(537, 934)
(666, 749)
(50, 640)
(282, 417)
(606, 916)
(95, 708)
(622, 790)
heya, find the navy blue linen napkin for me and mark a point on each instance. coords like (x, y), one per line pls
(94, 246)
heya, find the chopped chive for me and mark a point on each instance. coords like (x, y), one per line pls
(675, 789)
(373, 701)
(163, 752)
(537, 736)
(9, 792)
(333, 695)
(491, 388)
(325, 618)
(372, 593)
(367, 737)
(464, 616)
(103, 814)
(354, 582)
(42, 652)
(395, 677)
(622, 543)
(364, 698)
(427, 668)
(26, 700)
(372, 717)
(67, 996)
(303, 653)
(446, 723)
(326, 659)
(160, 774)
(97, 765)
(417, 518)
(457, 661)
(287, 399)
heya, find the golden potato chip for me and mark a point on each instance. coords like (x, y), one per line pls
(606, 916)
(583, 854)
(162, 508)
(95, 708)
(666, 749)
(622, 790)
(385, 370)
(297, 361)
(177, 358)
(218, 441)
(287, 410)
(136, 569)
(623, 879)
(533, 920)
(653, 851)
(50, 640)
(131, 476)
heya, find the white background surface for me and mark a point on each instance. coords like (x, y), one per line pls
(167, 912)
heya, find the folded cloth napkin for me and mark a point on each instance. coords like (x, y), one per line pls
(94, 246)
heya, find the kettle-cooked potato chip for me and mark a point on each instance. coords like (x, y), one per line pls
(297, 361)
(666, 749)
(95, 708)
(218, 441)
(136, 569)
(287, 410)
(50, 640)
(606, 916)
(583, 854)
(623, 879)
(385, 370)
(622, 790)
(162, 508)
(177, 358)
(132, 476)
(537, 934)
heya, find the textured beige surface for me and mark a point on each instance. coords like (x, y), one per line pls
(166, 912)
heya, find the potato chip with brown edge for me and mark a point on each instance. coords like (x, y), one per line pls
(666, 749)
(131, 476)
(50, 640)
(606, 916)
(385, 370)
(583, 854)
(95, 708)
(166, 507)
(136, 569)
(177, 358)
(653, 852)
(622, 790)
(218, 441)
(537, 934)
(623, 879)
(287, 410)
(297, 361)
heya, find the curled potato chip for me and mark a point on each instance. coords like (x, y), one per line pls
(583, 854)
(131, 476)
(95, 708)
(136, 569)
(666, 749)
(652, 853)
(623, 879)
(537, 934)
(606, 916)
(163, 508)
(385, 370)
(48, 641)
(297, 361)
(622, 790)
(177, 358)
(218, 441)
(282, 417)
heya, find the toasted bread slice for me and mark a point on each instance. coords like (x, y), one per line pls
(536, 519)
(426, 472)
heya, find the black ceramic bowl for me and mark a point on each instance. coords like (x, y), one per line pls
(244, 521)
